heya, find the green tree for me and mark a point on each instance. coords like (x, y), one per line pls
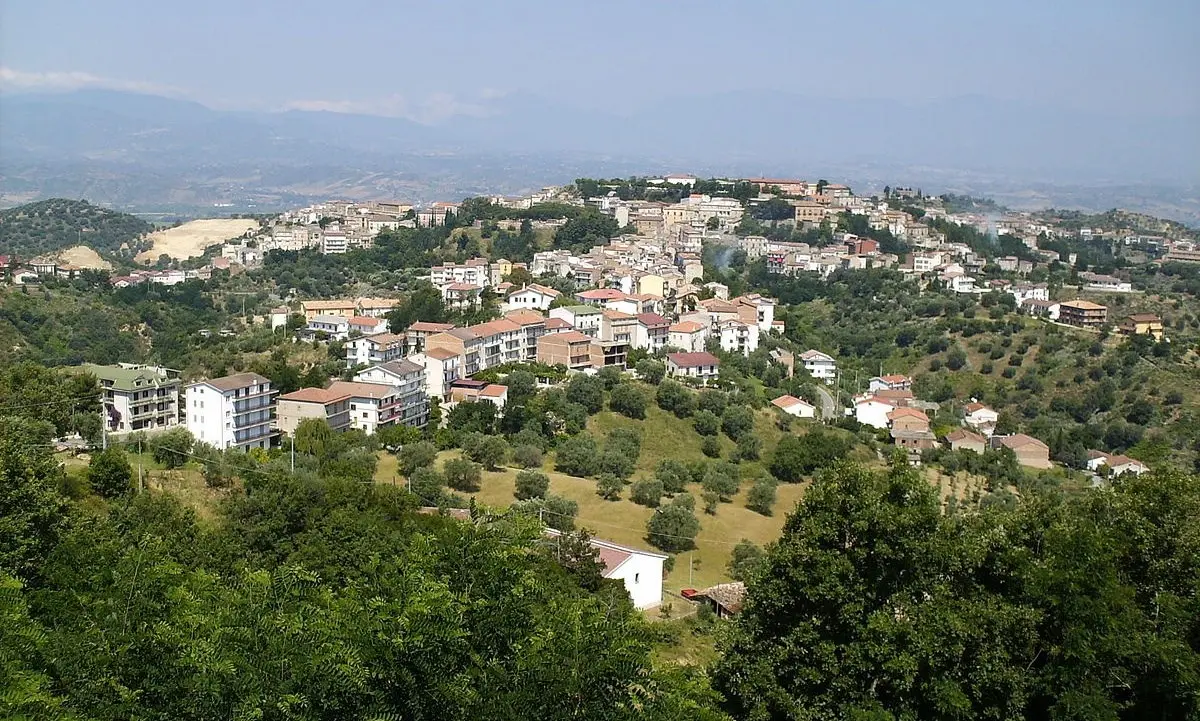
(673, 527)
(531, 484)
(745, 560)
(737, 421)
(462, 475)
(486, 450)
(587, 391)
(427, 485)
(628, 400)
(31, 509)
(172, 447)
(647, 492)
(749, 446)
(711, 447)
(414, 456)
(706, 423)
(110, 474)
(527, 456)
(610, 377)
(671, 396)
(423, 304)
(721, 478)
(651, 371)
(609, 487)
(761, 496)
(578, 456)
(673, 474)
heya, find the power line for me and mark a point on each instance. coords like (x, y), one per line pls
(64, 401)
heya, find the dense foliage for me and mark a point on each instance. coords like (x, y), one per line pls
(57, 224)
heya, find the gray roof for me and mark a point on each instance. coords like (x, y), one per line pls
(402, 367)
(235, 382)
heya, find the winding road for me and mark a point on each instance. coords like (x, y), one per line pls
(828, 406)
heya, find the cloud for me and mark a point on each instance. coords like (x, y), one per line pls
(13, 79)
(433, 108)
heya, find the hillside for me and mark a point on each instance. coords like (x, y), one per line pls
(54, 225)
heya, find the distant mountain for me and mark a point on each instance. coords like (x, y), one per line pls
(108, 144)
(52, 225)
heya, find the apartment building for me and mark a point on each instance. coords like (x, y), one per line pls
(1082, 313)
(442, 367)
(408, 378)
(651, 332)
(700, 365)
(617, 327)
(533, 326)
(374, 349)
(687, 336)
(583, 318)
(415, 334)
(572, 349)
(136, 397)
(473, 272)
(737, 337)
(341, 307)
(234, 411)
(531, 297)
(819, 365)
(372, 405)
(294, 408)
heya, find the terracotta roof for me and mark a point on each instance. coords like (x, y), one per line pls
(313, 395)
(441, 353)
(1020, 440)
(652, 319)
(686, 326)
(962, 434)
(365, 320)
(908, 413)
(428, 327)
(362, 390)
(815, 355)
(1145, 318)
(1082, 305)
(556, 323)
(463, 287)
(789, 401)
(378, 302)
(384, 339)
(492, 327)
(895, 379)
(897, 394)
(601, 294)
(972, 407)
(693, 360)
(616, 315)
(875, 399)
(544, 290)
(571, 336)
(494, 390)
(612, 558)
(524, 316)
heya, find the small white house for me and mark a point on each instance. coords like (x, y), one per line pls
(980, 417)
(794, 406)
(872, 411)
(531, 297)
(640, 571)
(819, 365)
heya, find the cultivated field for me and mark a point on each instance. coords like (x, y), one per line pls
(193, 237)
(84, 257)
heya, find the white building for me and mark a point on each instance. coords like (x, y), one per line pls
(981, 418)
(408, 378)
(819, 365)
(699, 365)
(531, 297)
(137, 398)
(231, 412)
(372, 405)
(737, 337)
(640, 571)
(374, 349)
(872, 411)
(794, 406)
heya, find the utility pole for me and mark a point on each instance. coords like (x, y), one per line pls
(141, 485)
(292, 444)
(689, 569)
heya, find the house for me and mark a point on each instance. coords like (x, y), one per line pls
(366, 325)
(372, 405)
(688, 336)
(295, 407)
(442, 367)
(1116, 464)
(531, 297)
(873, 411)
(737, 337)
(725, 599)
(651, 332)
(231, 412)
(571, 349)
(278, 317)
(409, 380)
(374, 349)
(718, 290)
(700, 365)
(910, 429)
(641, 571)
(980, 417)
(1093, 281)
(461, 296)
(376, 307)
(1042, 308)
(1030, 451)
(583, 318)
(819, 365)
(889, 383)
(1143, 324)
(599, 296)
(794, 406)
(415, 334)
(617, 327)
(1083, 313)
(314, 308)
(961, 438)
(137, 397)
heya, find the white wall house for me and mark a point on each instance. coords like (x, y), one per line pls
(640, 571)
(794, 406)
(738, 337)
(872, 411)
(819, 366)
(231, 412)
(408, 378)
(531, 297)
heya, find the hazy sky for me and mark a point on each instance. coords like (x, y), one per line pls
(435, 59)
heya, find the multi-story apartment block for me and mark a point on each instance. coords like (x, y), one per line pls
(408, 378)
(294, 408)
(585, 319)
(137, 398)
(374, 349)
(472, 272)
(442, 367)
(533, 326)
(572, 349)
(737, 337)
(617, 327)
(651, 332)
(1082, 313)
(819, 365)
(372, 405)
(231, 412)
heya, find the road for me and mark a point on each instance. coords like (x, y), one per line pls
(828, 406)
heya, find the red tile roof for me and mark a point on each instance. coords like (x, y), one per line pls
(693, 360)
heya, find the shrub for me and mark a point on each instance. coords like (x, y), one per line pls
(736, 421)
(587, 392)
(671, 396)
(532, 484)
(749, 447)
(578, 456)
(647, 492)
(745, 560)
(673, 475)
(616, 462)
(427, 485)
(651, 371)
(172, 448)
(706, 423)
(414, 456)
(110, 474)
(673, 527)
(486, 450)
(711, 447)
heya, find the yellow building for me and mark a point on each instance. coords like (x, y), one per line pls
(651, 284)
(1143, 324)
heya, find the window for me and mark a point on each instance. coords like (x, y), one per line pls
(637, 578)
